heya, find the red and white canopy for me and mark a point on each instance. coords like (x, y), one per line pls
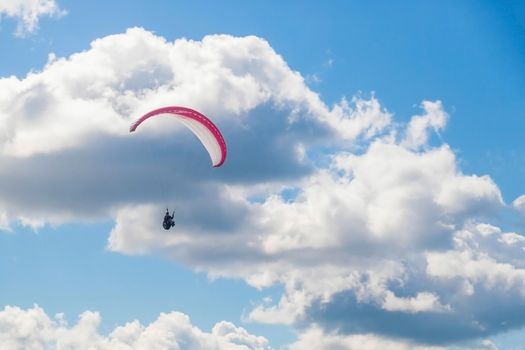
(199, 124)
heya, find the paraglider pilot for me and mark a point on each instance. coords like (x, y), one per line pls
(169, 221)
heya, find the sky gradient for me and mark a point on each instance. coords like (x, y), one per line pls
(372, 197)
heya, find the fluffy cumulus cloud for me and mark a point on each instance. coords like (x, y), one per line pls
(366, 224)
(71, 121)
(417, 132)
(33, 329)
(352, 238)
(28, 13)
(519, 204)
(315, 338)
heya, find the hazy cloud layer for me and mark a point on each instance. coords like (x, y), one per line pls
(363, 221)
(28, 13)
(33, 329)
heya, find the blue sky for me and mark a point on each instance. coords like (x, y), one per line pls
(374, 175)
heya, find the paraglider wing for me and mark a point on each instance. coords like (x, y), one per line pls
(199, 124)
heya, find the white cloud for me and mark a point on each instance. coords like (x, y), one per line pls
(491, 261)
(315, 338)
(417, 132)
(367, 118)
(487, 345)
(69, 122)
(33, 329)
(28, 13)
(519, 204)
(339, 229)
(101, 90)
(4, 222)
(343, 232)
(511, 238)
(422, 302)
(476, 269)
(487, 229)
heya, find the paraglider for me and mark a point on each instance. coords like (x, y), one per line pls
(207, 132)
(169, 220)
